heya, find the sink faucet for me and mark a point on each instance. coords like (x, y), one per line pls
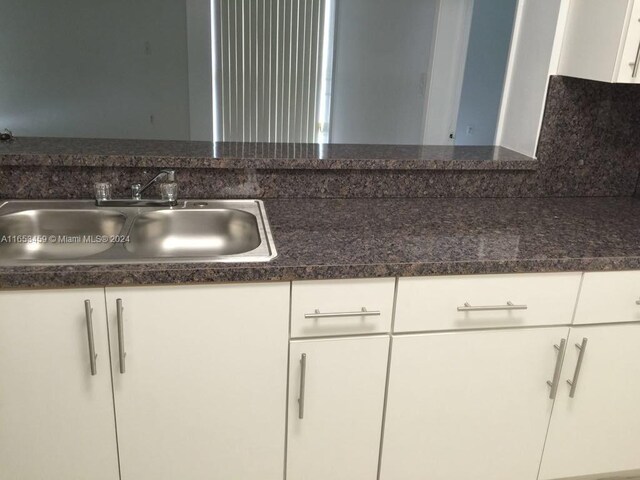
(137, 189)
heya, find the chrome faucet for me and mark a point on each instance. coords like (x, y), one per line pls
(137, 189)
(168, 197)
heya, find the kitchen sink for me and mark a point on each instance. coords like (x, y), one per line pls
(77, 232)
(170, 233)
(56, 234)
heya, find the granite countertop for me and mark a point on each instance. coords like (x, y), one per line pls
(86, 152)
(355, 238)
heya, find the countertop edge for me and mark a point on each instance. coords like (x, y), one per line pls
(52, 278)
(465, 159)
(97, 161)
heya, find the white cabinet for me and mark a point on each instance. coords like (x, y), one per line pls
(485, 301)
(199, 378)
(597, 432)
(56, 418)
(609, 297)
(203, 391)
(602, 41)
(336, 398)
(469, 405)
(341, 307)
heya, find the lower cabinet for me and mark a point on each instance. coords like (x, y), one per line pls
(56, 412)
(470, 405)
(595, 428)
(200, 380)
(336, 401)
(190, 382)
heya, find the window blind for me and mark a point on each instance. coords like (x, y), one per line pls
(269, 66)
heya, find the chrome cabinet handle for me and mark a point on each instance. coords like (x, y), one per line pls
(555, 383)
(303, 378)
(121, 351)
(88, 313)
(488, 308)
(636, 64)
(574, 383)
(637, 302)
(362, 313)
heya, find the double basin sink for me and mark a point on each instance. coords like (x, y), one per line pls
(79, 232)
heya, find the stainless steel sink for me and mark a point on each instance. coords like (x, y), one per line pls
(194, 233)
(78, 232)
(57, 234)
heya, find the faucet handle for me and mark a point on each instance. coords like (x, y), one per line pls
(135, 191)
(169, 191)
(102, 190)
(171, 175)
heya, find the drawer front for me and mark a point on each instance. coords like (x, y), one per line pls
(609, 297)
(485, 301)
(335, 307)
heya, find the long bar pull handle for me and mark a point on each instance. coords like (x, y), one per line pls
(88, 313)
(303, 378)
(362, 313)
(576, 375)
(636, 64)
(488, 308)
(121, 351)
(555, 383)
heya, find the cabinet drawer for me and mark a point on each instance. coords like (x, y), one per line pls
(335, 307)
(609, 297)
(485, 301)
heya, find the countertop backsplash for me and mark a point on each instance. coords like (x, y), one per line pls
(589, 146)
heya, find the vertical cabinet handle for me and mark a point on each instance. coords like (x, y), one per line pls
(636, 64)
(303, 375)
(576, 375)
(121, 351)
(555, 383)
(88, 313)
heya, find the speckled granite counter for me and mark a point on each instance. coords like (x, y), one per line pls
(353, 238)
(589, 147)
(95, 152)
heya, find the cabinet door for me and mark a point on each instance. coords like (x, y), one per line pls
(56, 418)
(630, 72)
(593, 38)
(336, 400)
(470, 405)
(203, 391)
(598, 430)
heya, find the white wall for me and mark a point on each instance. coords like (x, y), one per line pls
(94, 68)
(528, 75)
(380, 70)
(484, 75)
(556, 52)
(447, 70)
(200, 74)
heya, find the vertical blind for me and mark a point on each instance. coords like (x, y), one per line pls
(269, 62)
